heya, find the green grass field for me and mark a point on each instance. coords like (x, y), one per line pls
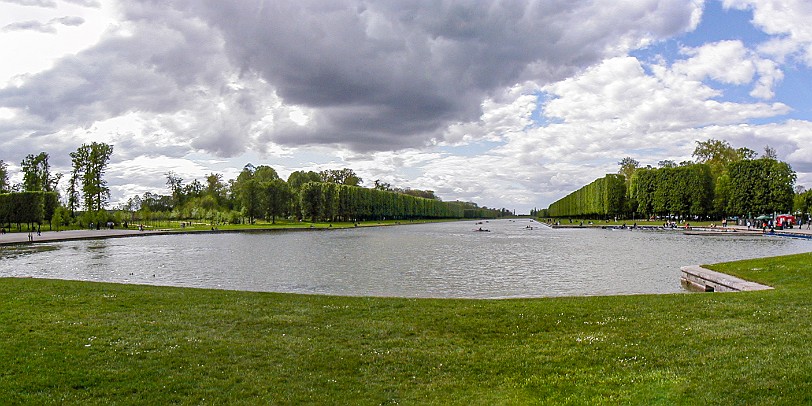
(76, 342)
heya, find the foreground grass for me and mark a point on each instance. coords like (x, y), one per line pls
(77, 342)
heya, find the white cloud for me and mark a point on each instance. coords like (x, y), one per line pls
(619, 92)
(787, 21)
(732, 63)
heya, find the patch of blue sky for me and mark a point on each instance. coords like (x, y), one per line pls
(720, 24)
(794, 92)
(537, 116)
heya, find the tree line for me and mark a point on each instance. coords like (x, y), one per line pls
(720, 182)
(36, 200)
(258, 193)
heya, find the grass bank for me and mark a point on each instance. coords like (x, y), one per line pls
(79, 342)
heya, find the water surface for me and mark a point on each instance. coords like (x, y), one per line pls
(429, 260)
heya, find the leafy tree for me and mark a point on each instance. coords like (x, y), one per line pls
(761, 186)
(718, 154)
(311, 196)
(803, 202)
(721, 195)
(193, 190)
(264, 173)
(78, 161)
(298, 178)
(37, 175)
(247, 190)
(380, 185)
(215, 188)
(90, 161)
(296, 181)
(175, 185)
(627, 167)
(343, 176)
(714, 152)
(745, 153)
(277, 198)
(4, 185)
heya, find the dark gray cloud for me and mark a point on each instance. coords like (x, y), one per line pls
(152, 70)
(376, 75)
(392, 74)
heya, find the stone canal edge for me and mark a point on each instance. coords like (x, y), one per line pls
(699, 278)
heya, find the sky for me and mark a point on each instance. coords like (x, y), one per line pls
(508, 104)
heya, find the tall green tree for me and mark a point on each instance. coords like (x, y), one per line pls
(248, 193)
(345, 176)
(90, 163)
(311, 196)
(277, 198)
(37, 176)
(627, 167)
(761, 186)
(718, 154)
(215, 188)
(298, 178)
(265, 173)
(4, 185)
(175, 184)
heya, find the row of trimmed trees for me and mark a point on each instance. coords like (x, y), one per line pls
(330, 195)
(603, 197)
(333, 202)
(721, 182)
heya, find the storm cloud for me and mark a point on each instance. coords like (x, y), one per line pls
(371, 76)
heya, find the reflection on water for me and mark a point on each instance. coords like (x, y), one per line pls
(430, 260)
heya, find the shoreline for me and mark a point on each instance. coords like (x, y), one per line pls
(799, 232)
(21, 238)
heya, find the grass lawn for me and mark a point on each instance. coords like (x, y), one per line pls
(78, 342)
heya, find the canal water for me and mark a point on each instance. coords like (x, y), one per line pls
(515, 258)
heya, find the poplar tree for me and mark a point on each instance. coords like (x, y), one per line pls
(89, 165)
(4, 186)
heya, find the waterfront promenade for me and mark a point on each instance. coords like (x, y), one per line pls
(51, 236)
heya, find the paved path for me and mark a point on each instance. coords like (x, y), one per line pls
(49, 236)
(801, 231)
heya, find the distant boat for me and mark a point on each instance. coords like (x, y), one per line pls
(483, 230)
